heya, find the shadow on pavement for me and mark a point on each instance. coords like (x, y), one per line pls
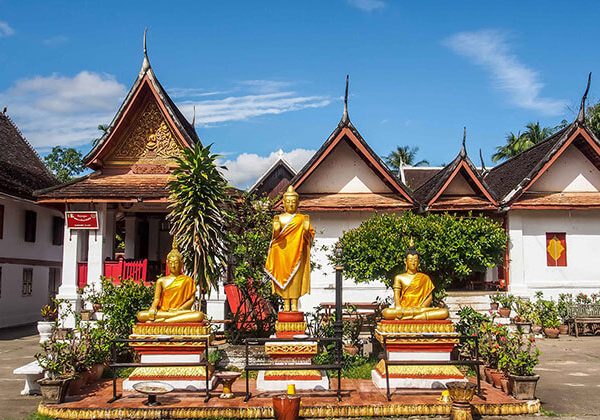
(14, 333)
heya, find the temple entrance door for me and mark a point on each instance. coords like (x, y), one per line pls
(141, 246)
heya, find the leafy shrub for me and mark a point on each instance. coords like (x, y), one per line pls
(451, 247)
(520, 355)
(547, 311)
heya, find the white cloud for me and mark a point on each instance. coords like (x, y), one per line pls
(244, 107)
(60, 110)
(54, 41)
(367, 5)
(490, 50)
(244, 170)
(5, 29)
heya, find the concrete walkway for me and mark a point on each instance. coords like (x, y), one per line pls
(569, 369)
(17, 347)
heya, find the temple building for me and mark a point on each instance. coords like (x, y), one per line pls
(127, 189)
(31, 234)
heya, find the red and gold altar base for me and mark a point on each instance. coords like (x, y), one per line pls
(296, 353)
(167, 351)
(416, 340)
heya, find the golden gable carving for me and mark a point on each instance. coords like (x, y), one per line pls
(149, 139)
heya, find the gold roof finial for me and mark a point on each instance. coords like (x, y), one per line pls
(411, 242)
(146, 62)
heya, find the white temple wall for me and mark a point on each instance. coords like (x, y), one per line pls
(528, 265)
(572, 172)
(16, 255)
(329, 226)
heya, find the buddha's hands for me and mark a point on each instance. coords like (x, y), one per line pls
(276, 224)
(306, 224)
(152, 313)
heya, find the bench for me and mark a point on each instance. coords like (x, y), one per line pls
(584, 315)
(32, 372)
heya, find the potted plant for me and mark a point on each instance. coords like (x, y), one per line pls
(351, 332)
(565, 303)
(44, 327)
(55, 360)
(495, 301)
(549, 317)
(214, 358)
(506, 302)
(493, 338)
(522, 380)
(524, 314)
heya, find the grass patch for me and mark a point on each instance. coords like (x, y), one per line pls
(360, 371)
(548, 413)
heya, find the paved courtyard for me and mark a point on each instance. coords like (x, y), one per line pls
(569, 387)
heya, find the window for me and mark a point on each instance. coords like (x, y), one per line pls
(1, 221)
(53, 283)
(27, 286)
(30, 225)
(58, 227)
(556, 249)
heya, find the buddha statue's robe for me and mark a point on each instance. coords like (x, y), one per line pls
(177, 293)
(288, 260)
(418, 290)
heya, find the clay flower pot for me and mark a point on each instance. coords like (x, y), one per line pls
(286, 407)
(563, 329)
(504, 384)
(77, 384)
(488, 375)
(523, 387)
(504, 312)
(552, 332)
(494, 306)
(97, 371)
(496, 378)
(350, 349)
(536, 329)
(86, 315)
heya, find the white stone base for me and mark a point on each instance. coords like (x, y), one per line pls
(179, 385)
(32, 372)
(418, 355)
(412, 383)
(161, 359)
(301, 385)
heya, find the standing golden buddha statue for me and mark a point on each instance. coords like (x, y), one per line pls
(288, 261)
(174, 295)
(413, 293)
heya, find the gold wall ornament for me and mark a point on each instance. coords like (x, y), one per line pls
(148, 139)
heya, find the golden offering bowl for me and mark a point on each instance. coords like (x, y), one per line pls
(461, 392)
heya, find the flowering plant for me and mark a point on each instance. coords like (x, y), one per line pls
(520, 355)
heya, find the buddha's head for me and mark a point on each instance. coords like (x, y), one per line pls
(411, 258)
(290, 200)
(175, 260)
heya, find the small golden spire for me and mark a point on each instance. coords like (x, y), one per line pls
(174, 250)
(291, 192)
(411, 242)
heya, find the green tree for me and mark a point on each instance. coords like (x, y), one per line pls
(104, 129)
(198, 214)
(404, 155)
(517, 143)
(451, 247)
(593, 118)
(64, 162)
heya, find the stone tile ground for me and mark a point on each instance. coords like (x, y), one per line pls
(570, 370)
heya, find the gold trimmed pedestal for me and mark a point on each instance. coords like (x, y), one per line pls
(416, 340)
(286, 353)
(165, 351)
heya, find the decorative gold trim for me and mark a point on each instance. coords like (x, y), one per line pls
(416, 328)
(290, 326)
(387, 410)
(166, 329)
(170, 372)
(291, 349)
(418, 371)
(270, 374)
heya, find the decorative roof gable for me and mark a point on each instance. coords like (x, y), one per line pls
(275, 179)
(148, 128)
(437, 194)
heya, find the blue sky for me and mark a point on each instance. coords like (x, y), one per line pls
(270, 75)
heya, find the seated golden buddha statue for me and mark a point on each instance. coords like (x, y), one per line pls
(413, 293)
(174, 295)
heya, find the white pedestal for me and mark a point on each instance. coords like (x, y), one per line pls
(420, 383)
(177, 384)
(32, 372)
(301, 385)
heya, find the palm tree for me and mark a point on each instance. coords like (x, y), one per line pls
(404, 155)
(518, 143)
(199, 198)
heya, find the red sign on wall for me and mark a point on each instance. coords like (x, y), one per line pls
(82, 219)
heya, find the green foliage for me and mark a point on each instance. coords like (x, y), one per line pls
(547, 311)
(451, 247)
(215, 357)
(493, 340)
(360, 368)
(520, 355)
(517, 143)
(404, 155)
(505, 300)
(120, 303)
(198, 214)
(64, 162)
(525, 311)
(593, 118)
(471, 321)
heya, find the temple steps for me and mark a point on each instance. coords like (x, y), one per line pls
(480, 301)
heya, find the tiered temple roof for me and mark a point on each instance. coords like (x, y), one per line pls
(21, 169)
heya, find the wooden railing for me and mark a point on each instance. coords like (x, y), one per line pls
(135, 270)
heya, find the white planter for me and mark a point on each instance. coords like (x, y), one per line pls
(45, 330)
(99, 316)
